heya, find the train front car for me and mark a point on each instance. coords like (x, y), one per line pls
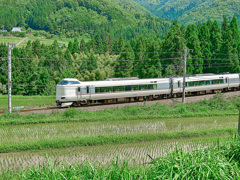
(66, 91)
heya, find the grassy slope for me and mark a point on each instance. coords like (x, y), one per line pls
(31, 37)
(192, 11)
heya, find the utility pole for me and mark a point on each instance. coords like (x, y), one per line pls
(184, 72)
(10, 46)
(239, 123)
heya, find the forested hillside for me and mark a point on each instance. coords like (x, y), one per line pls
(37, 68)
(192, 11)
(74, 18)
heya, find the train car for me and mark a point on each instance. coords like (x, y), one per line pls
(206, 83)
(74, 92)
(71, 91)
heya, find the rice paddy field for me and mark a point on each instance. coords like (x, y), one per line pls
(191, 141)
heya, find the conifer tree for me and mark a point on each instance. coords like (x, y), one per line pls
(236, 40)
(205, 43)
(70, 46)
(99, 45)
(124, 65)
(228, 50)
(216, 42)
(194, 62)
(174, 42)
(140, 58)
(75, 46)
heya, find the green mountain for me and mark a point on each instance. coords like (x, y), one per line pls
(192, 11)
(82, 17)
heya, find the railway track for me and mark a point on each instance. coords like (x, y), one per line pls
(190, 98)
(28, 110)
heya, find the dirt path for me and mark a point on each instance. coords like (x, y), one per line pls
(21, 41)
(162, 101)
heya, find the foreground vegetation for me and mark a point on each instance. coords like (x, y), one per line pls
(218, 161)
(180, 141)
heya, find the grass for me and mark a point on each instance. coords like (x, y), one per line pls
(62, 135)
(27, 101)
(40, 132)
(138, 142)
(103, 154)
(217, 161)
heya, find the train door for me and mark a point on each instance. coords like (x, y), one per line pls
(239, 80)
(79, 94)
(90, 91)
(227, 81)
(179, 85)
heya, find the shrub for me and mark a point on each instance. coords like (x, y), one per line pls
(70, 113)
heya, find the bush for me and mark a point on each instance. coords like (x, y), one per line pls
(5, 34)
(70, 113)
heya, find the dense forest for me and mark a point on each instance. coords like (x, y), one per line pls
(37, 68)
(85, 18)
(192, 11)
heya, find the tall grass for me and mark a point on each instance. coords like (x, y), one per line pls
(213, 162)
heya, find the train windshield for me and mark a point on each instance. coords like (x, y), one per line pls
(64, 82)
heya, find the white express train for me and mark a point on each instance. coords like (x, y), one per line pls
(73, 92)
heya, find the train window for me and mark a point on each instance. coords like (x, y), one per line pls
(134, 87)
(68, 82)
(87, 89)
(79, 89)
(202, 83)
(97, 89)
(195, 83)
(207, 82)
(127, 88)
(152, 86)
(178, 83)
(106, 89)
(143, 87)
(119, 88)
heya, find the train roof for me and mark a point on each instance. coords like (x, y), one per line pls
(125, 82)
(70, 79)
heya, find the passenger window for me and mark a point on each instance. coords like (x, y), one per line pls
(128, 88)
(97, 90)
(106, 89)
(134, 87)
(143, 87)
(119, 88)
(79, 89)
